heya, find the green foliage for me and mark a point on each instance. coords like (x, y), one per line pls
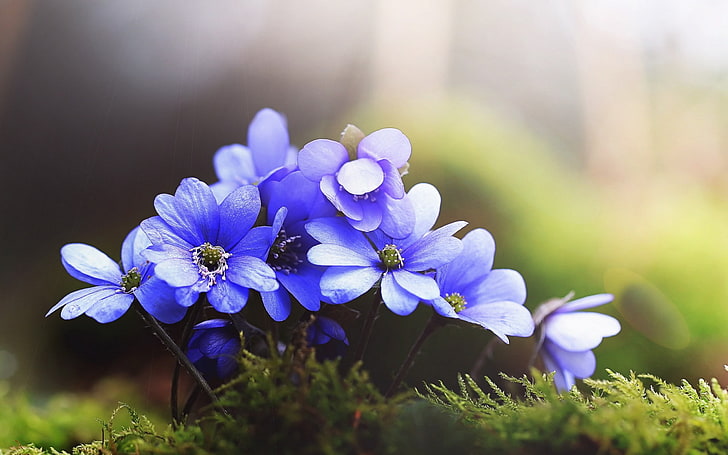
(639, 414)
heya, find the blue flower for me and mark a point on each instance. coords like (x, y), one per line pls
(569, 336)
(114, 288)
(471, 291)
(212, 348)
(268, 152)
(198, 246)
(357, 261)
(369, 189)
(292, 202)
(328, 337)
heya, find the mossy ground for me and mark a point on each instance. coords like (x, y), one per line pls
(292, 404)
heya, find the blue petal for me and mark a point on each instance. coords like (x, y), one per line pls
(585, 302)
(192, 213)
(337, 231)
(331, 329)
(563, 380)
(343, 201)
(499, 285)
(334, 255)
(580, 331)
(160, 233)
(268, 140)
(422, 286)
(442, 307)
(234, 165)
(344, 284)
(302, 197)
(186, 296)
(212, 324)
(178, 272)
(435, 249)
(398, 300)
(255, 243)
(360, 176)
(304, 286)
(226, 297)
(159, 300)
(110, 308)
(277, 304)
(389, 144)
(321, 157)
(134, 243)
(472, 265)
(425, 200)
(581, 364)
(251, 272)
(89, 265)
(502, 318)
(371, 217)
(238, 213)
(398, 216)
(221, 190)
(78, 302)
(392, 184)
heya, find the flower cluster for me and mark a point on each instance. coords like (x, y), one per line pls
(302, 231)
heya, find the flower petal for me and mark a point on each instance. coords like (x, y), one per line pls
(392, 184)
(334, 255)
(78, 302)
(397, 299)
(234, 165)
(563, 380)
(360, 176)
(277, 303)
(160, 233)
(434, 249)
(238, 213)
(389, 144)
(585, 302)
(111, 307)
(425, 200)
(419, 285)
(192, 212)
(501, 318)
(227, 297)
(159, 300)
(442, 307)
(336, 231)
(471, 266)
(343, 201)
(581, 363)
(344, 284)
(398, 216)
(134, 243)
(321, 157)
(580, 331)
(268, 140)
(499, 285)
(304, 286)
(89, 264)
(251, 272)
(371, 217)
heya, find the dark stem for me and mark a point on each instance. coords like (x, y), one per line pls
(366, 330)
(177, 352)
(433, 324)
(190, 402)
(485, 353)
(190, 320)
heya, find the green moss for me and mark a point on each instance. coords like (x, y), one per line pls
(292, 404)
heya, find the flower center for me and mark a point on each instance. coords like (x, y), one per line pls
(284, 253)
(211, 261)
(370, 196)
(391, 257)
(131, 281)
(457, 301)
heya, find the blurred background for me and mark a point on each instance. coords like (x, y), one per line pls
(588, 137)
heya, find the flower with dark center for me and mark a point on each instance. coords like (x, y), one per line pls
(357, 261)
(199, 246)
(472, 292)
(114, 290)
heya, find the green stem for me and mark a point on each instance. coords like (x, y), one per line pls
(432, 326)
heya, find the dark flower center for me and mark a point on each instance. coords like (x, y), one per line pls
(391, 257)
(457, 301)
(211, 261)
(284, 253)
(131, 281)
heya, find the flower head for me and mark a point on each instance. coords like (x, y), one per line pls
(200, 246)
(212, 349)
(367, 190)
(569, 336)
(115, 288)
(358, 261)
(328, 337)
(268, 152)
(471, 291)
(292, 202)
